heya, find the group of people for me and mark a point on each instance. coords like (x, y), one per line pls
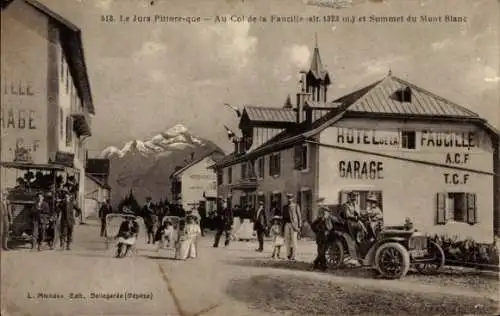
(360, 225)
(48, 215)
(284, 227)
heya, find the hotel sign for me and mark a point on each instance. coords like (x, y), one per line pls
(350, 136)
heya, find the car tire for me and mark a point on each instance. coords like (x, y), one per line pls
(335, 255)
(430, 269)
(392, 260)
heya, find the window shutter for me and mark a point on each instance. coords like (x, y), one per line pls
(342, 197)
(271, 165)
(298, 157)
(278, 164)
(440, 208)
(471, 208)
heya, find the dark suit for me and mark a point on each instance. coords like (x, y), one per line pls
(150, 221)
(67, 221)
(322, 227)
(103, 211)
(127, 230)
(261, 223)
(40, 221)
(224, 224)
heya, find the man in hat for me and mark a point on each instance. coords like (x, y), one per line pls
(350, 214)
(375, 215)
(67, 220)
(292, 219)
(261, 224)
(6, 218)
(225, 220)
(322, 227)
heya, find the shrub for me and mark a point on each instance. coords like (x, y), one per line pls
(468, 251)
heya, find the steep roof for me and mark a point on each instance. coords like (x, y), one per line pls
(71, 42)
(98, 181)
(317, 70)
(214, 154)
(375, 100)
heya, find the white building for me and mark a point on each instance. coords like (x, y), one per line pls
(46, 96)
(196, 183)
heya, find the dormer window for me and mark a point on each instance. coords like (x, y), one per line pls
(404, 95)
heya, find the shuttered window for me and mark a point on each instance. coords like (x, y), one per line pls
(229, 175)
(301, 157)
(69, 131)
(261, 165)
(275, 164)
(456, 207)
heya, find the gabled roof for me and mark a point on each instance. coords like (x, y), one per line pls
(381, 98)
(270, 114)
(213, 154)
(71, 42)
(376, 100)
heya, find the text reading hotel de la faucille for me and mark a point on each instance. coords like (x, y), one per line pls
(241, 18)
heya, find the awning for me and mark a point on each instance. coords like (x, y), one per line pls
(210, 194)
(27, 166)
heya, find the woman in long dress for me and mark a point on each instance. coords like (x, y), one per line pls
(245, 230)
(186, 247)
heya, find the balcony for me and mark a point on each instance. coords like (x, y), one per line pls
(82, 122)
(246, 183)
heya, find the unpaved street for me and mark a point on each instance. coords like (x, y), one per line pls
(225, 281)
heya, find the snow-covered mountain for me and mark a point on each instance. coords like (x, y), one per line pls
(174, 139)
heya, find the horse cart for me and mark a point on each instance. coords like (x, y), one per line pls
(391, 252)
(32, 179)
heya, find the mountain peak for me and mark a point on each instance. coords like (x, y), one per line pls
(175, 138)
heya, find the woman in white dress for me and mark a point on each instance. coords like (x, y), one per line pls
(186, 247)
(245, 231)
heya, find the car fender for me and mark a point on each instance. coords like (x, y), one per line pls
(370, 256)
(347, 241)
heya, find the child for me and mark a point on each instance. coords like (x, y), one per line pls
(322, 227)
(186, 247)
(276, 232)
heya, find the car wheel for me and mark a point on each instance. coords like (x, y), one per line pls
(392, 260)
(432, 267)
(335, 255)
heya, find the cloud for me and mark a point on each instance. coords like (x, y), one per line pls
(492, 79)
(441, 44)
(150, 49)
(232, 43)
(380, 66)
(298, 55)
(293, 59)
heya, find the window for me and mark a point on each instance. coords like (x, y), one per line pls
(69, 131)
(302, 157)
(456, 207)
(408, 139)
(229, 175)
(61, 123)
(67, 80)
(274, 164)
(362, 201)
(261, 164)
(244, 170)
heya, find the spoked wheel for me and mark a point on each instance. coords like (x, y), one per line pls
(437, 262)
(335, 255)
(393, 260)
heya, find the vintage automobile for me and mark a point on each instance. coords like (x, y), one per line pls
(391, 252)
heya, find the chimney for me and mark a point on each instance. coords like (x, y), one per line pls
(302, 97)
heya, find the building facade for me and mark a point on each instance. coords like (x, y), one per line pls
(97, 189)
(424, 157)
(46, 97)
(196, 183)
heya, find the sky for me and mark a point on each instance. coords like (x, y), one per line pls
(148, 77)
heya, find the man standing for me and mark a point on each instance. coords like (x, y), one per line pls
(203, 217)
(149, 217)
(261, 224)
(104, 210)
(292, 219)
(224, 224)
(322, 227)
(6, 218)
(40, 221)
(67, 220)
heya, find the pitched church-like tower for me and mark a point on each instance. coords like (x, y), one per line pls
(317, 78)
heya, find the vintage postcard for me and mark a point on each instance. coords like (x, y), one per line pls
(250, 157)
